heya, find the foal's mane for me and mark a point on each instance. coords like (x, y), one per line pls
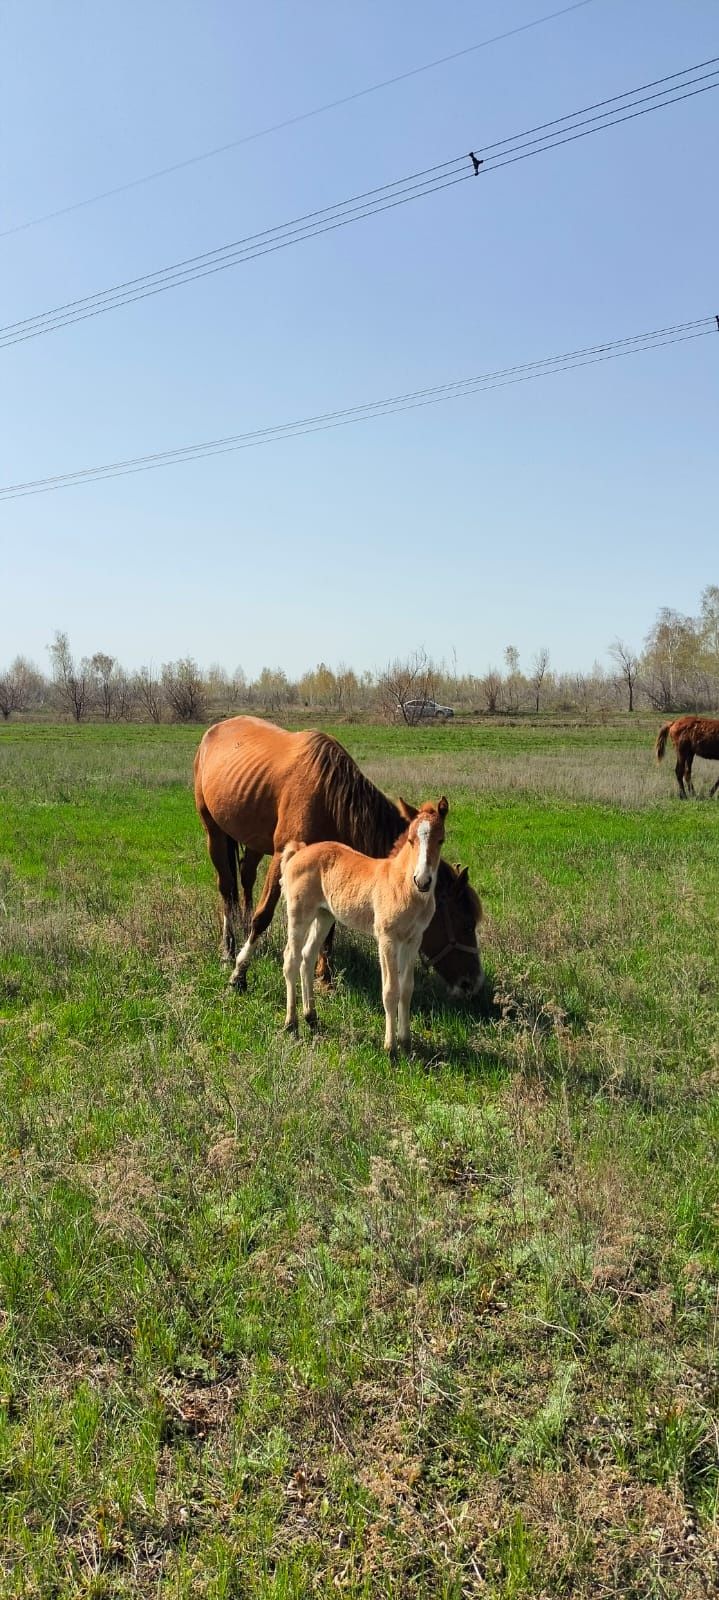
(361, 813)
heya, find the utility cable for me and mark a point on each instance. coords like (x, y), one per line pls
(371, 202)
(290, 122)
(459, 388)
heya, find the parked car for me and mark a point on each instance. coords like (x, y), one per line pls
(426, 711)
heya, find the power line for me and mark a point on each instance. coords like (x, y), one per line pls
(435, 394)
(642, 100)
(290, 122)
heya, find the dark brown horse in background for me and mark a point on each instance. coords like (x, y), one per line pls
(260, 787)
(691, 736)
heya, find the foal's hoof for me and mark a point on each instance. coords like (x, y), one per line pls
(291, 1027)
(238, 982)
(311, 1020)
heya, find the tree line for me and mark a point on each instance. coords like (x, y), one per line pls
(676, 669)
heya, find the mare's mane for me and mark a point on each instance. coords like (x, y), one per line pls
(361, 813)
(367, 820)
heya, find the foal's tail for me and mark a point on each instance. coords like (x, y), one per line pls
(289, 851)
(662, 736)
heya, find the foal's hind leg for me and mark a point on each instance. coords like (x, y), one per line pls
(714, 788)
(688, 766)
(313, 944)
(299, 931)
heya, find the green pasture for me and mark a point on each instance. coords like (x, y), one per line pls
(279, 1318)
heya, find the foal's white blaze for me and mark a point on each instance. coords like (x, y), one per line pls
(423, 873)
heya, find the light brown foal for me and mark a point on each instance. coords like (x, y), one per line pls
(391, 899)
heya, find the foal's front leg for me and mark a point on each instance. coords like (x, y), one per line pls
(390, 991)
(407, 959)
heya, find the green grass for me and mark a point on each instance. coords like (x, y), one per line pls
(278, 1318)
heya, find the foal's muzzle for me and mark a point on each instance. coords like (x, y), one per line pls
(423, 887)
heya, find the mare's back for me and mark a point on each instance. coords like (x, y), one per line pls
(245, 766)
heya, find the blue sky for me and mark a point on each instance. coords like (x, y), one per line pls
(562, 512)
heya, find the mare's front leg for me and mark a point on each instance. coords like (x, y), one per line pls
(390, 991)
(407, 959)
(324, 972)
(260, 921)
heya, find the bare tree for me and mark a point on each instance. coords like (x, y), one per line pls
(71, 682)
(148, 693)
(123, 702)
(273, 689)
(19, 684)
(184, 689)
(627, 665)
(511, 657)
(405, 687)
(539, 668)
(102, 667)
(491, 687)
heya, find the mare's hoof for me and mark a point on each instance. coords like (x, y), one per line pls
(238, 982)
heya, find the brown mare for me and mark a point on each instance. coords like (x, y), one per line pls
(261, 787)
(691, 736)
(391, 899)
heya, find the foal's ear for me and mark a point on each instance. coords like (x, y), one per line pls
(406, 810)
(443, 806)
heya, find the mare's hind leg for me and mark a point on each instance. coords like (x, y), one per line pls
(688, 766)
(223, 855)
(260, 921)
(315, 939)
(679, 770)
(714, 788)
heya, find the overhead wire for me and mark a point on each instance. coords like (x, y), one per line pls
(293, 121)
(370, 202)
(459, 388)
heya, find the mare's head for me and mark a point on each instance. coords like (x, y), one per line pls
(425, 837)
(451, 943)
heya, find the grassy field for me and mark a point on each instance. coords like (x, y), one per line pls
(279, 1318)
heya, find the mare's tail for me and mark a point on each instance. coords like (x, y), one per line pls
(662, 736)
(233, 858)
